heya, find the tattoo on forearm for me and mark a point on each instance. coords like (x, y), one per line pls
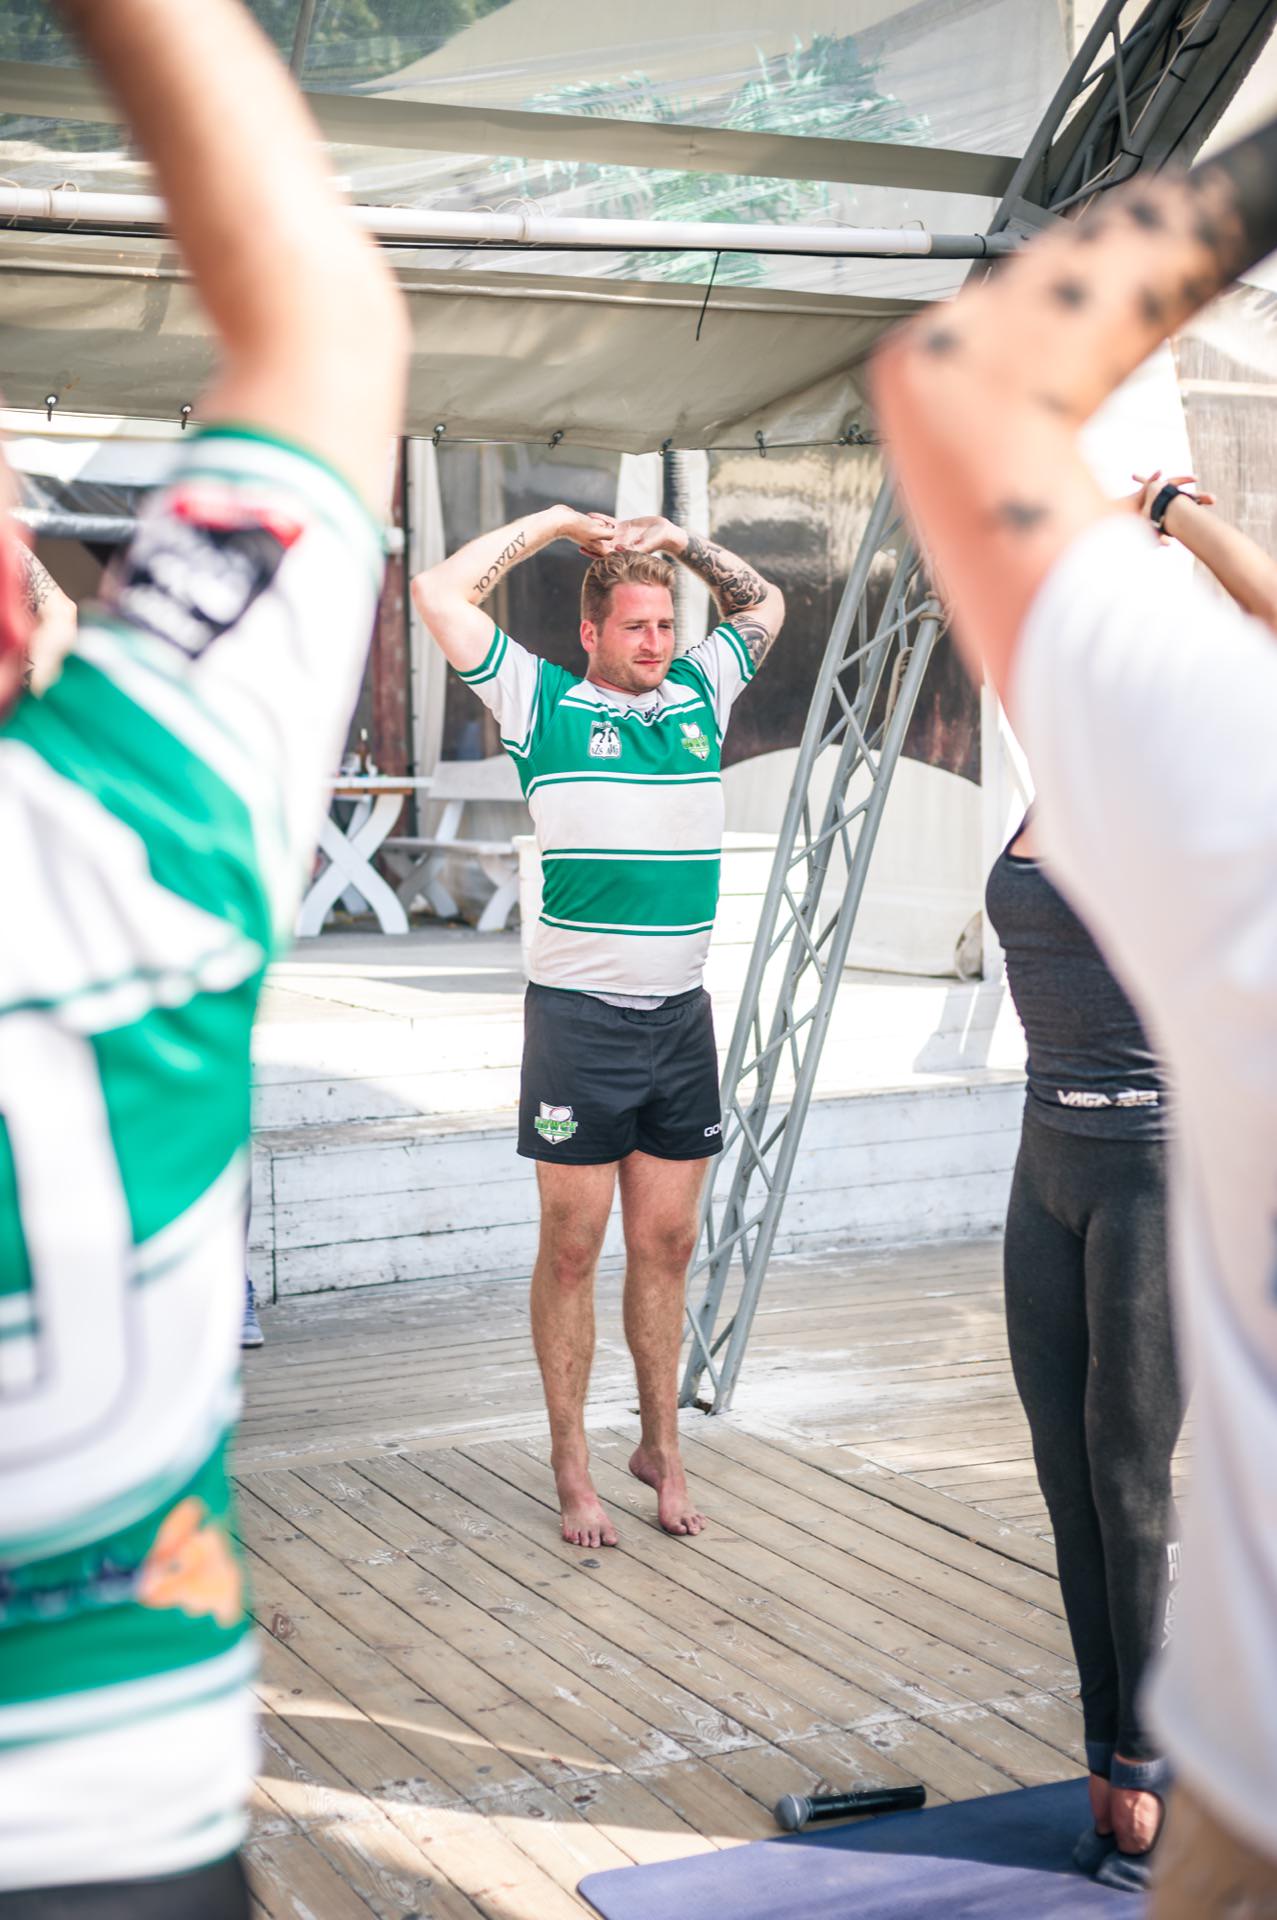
(488, 580)
(36, 580)
(736, 588)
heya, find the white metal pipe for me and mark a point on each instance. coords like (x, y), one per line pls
(525, 227)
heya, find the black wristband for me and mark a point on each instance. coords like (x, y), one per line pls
(1157, 512)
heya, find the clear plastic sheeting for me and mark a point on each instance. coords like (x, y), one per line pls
(955, 75)
(969, 74)
(510, 343)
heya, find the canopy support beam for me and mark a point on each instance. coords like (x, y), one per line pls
(1108, 119)
(67, 207)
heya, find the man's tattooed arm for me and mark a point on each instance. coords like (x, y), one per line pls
(54, 619)
(448, 596)
(38, 583)
(753, 606)
(982, 406)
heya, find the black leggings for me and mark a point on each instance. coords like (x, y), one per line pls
(219, 1892)
(1088, 1317)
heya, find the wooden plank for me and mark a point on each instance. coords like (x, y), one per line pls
(461, 1847)
(476, 1730)
(905, 1579)
(385, 1871)
(851, 1464)
(780, 1479)
(712, 1805)
(681, 1638)
(350, 1728)
(842, 1680)
(556, 1838)
(799, 1611)
(293, 1881)
(1054, 1718)
(1004, 1744)
(556, 1721)
(957, 1648)
(376, 1859)
(302, 1785)
(681, 1722)
(903, 1748)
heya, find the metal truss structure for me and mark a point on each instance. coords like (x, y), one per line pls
(1141, 93)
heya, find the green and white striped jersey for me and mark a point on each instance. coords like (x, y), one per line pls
(158, 807)
(626, 794)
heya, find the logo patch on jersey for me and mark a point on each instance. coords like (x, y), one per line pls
(605, 740)
(555, 1124)
(191, 1566)
(693, 739)
(195, 566)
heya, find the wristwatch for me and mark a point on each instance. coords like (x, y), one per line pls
(1157, 512)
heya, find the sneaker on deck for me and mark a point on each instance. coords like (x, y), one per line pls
(251, 1334)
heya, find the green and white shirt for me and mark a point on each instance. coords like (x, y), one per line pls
(626, 794)
(158, 807)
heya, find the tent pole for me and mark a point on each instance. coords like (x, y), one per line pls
(404, 226)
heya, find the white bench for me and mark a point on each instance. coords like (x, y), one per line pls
(419, 860)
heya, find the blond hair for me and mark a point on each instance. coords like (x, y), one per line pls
(613, 570)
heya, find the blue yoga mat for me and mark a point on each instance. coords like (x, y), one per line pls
(1004, 1858)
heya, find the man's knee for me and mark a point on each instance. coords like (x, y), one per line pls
(664, 1245)
(569, 1248)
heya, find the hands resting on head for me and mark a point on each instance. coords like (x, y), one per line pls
(597, 534)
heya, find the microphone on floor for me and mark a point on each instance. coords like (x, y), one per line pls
(799, 1810)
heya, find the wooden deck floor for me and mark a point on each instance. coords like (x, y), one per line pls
(464, 1716)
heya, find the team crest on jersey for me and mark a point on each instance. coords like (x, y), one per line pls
(199, 559)
(555, 1124)
(605, 740)
(694, 740)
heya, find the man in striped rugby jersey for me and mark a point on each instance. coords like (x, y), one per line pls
(622, 773)
(159, 802)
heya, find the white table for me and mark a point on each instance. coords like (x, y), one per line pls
(379, 799)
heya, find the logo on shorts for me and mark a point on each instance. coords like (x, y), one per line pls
(605, 740)
(555, 1124)
(694, 740)
(711, 1131)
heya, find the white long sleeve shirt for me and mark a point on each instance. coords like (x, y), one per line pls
(1148, 710)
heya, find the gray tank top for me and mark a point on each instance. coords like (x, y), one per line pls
(1090, 1067)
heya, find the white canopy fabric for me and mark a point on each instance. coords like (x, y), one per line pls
(496, 356)
(731, 111)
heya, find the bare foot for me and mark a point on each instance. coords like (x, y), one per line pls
(1137, 1818)
(674, 1506)
(584, 1523)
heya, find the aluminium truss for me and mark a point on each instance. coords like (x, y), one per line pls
(1140, 93)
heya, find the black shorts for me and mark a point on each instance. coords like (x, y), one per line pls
(600, 1082)
(219, 1892)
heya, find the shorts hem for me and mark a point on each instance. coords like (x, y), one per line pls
(655, 1153)
(572, 1160)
